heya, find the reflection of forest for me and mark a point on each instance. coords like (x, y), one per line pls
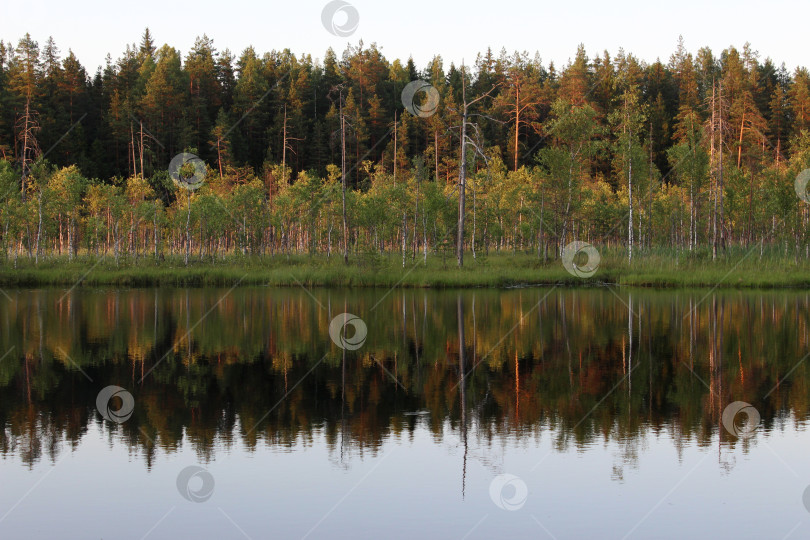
(536, 360)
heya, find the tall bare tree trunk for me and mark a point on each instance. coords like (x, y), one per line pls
(629, 184)
(219, 157)
(720, 184)
(39, 225)
(284, 147)
(29, 142)
(141, 151)
(436, 147)
(462, 182)
(650, 195)
(188, 227)
(156, 230)
(131, 155)
(714, 175)
(517, 122)
(343, 175)
(742, 130)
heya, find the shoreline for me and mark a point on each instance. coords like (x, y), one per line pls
(498, 271)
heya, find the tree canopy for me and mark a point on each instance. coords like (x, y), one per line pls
(701, 151)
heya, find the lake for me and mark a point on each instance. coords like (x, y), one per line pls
(286, 413)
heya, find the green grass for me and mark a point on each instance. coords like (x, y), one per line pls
(738, 268)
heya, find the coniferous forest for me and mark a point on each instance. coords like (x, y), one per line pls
(698, 153)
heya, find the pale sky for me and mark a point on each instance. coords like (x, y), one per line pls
(423, 28)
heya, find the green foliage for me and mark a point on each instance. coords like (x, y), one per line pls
(552, 163)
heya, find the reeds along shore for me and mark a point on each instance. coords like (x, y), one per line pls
(737, 268)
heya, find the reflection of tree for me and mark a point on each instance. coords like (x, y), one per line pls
(580, 365)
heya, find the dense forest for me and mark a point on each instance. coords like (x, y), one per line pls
(325, 156)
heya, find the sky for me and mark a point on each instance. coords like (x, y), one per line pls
(457, 31)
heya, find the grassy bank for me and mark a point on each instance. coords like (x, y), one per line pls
(740, 269)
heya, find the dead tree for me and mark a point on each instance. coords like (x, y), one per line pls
(27, 127)
(462, 175)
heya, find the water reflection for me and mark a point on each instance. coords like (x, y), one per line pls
(257, 367)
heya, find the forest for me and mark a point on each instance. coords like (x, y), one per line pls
(699, 154)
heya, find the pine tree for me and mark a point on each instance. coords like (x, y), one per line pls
(147, 47)
(520, 100)
(25, 75)
(799, 95)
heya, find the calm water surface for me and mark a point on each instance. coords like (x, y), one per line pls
(533, 413)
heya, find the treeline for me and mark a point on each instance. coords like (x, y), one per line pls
(700, 152)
